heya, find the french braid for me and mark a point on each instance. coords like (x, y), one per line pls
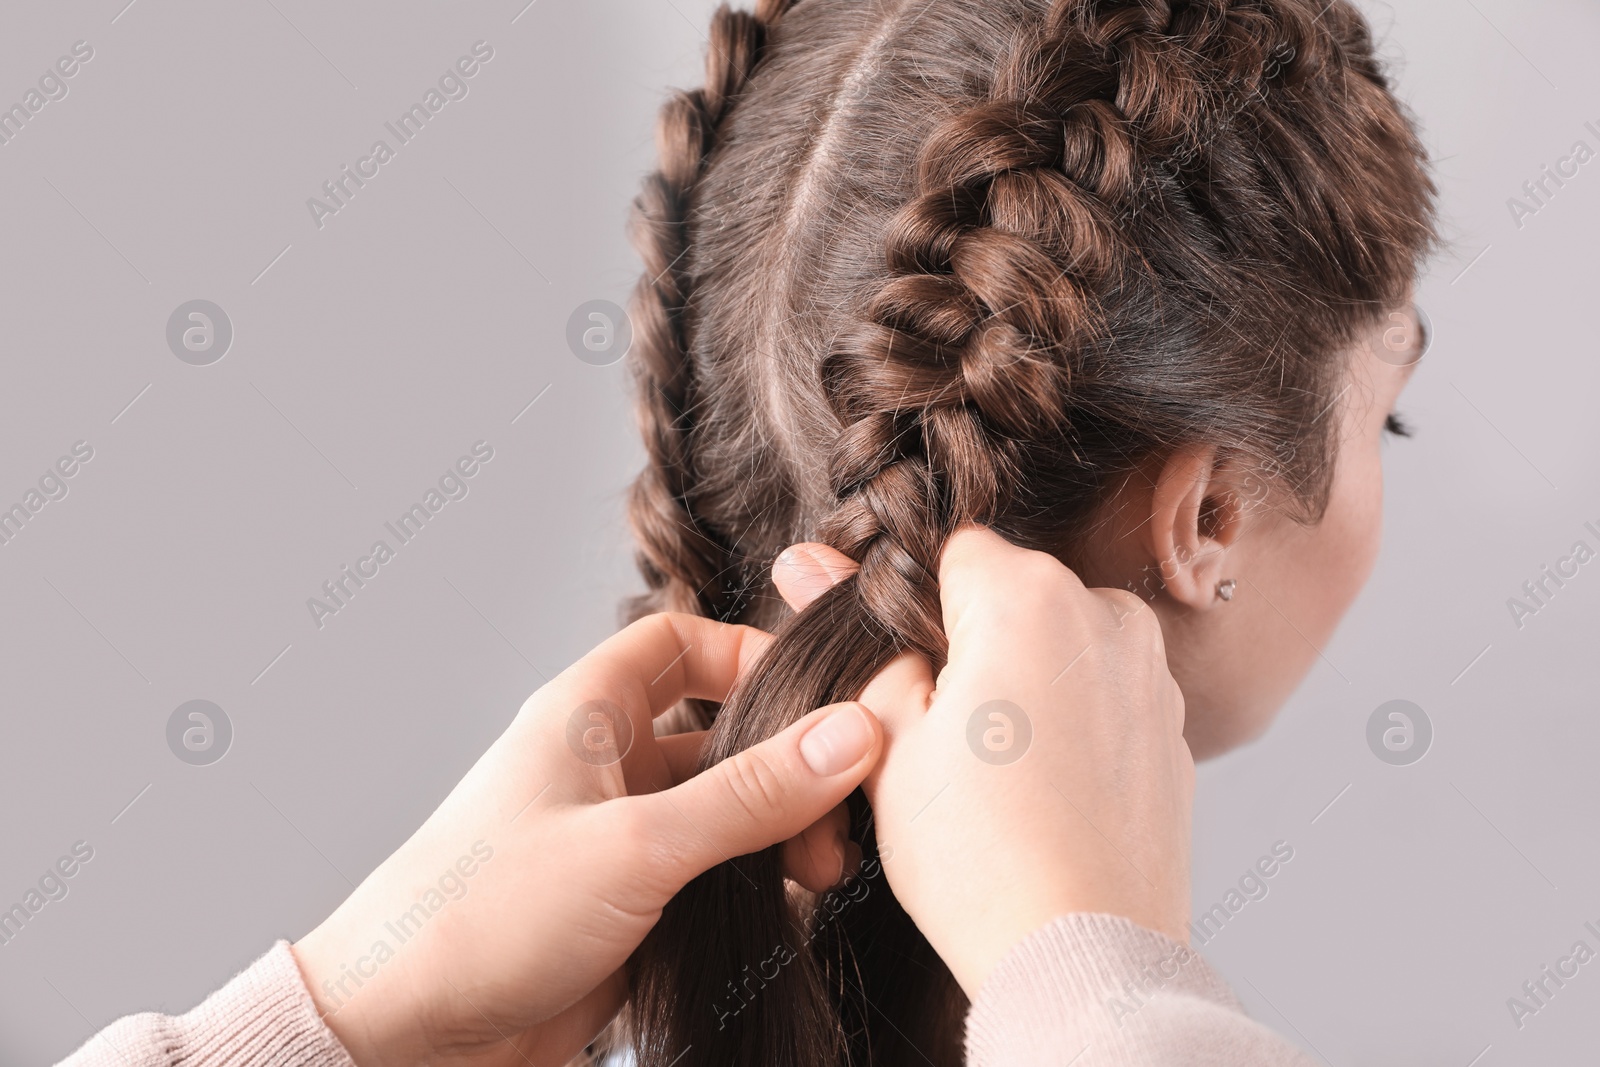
(688, 567)
(964, 262)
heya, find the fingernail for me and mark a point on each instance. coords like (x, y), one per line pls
(800, 560)
(818, 572)
(838, 742)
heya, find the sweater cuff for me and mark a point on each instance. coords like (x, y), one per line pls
(1084, 981)
(263, 1017)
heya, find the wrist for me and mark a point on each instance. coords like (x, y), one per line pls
(973, 962)
(369, 1016)
(986, 943)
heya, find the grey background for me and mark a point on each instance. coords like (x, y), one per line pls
(370, 354)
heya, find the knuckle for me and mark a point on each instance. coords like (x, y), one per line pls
(647, 626)
(686, 629)
(656, 844)
(1180, 716)
(755, 785)
(631, 829)
(674, 622)
(1042, 570)
(1039, 584)
(1129, 610)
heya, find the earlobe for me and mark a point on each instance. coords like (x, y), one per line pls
(1195, 515)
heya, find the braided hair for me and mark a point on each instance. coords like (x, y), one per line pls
(687, 563)
(913, 263)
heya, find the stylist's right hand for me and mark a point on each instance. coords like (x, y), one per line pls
(496, 935)
(994, 833)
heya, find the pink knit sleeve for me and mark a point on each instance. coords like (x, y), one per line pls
(263, 1017)
(1101, 991)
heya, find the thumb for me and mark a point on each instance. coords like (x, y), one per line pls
(768, 793)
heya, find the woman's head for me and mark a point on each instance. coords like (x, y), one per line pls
(1097, 274)
(1247, 590)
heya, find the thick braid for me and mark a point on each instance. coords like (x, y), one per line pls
(961, 349)
(687, 566)
(983, 338)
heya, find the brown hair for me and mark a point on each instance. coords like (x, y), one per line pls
(910, 263)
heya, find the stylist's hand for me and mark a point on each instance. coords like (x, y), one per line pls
(1092, 815)
(498, 932)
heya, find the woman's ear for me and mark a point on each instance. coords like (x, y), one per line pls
(1196, 515)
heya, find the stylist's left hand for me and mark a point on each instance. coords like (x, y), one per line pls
(497, 934)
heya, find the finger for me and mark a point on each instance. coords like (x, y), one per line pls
(805, 571)
(899, 694)
(682, 753)
(765, 794)
(816, 856)
(655, 662)
(977, 567)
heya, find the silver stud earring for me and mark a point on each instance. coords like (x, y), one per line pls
(1225, 589)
